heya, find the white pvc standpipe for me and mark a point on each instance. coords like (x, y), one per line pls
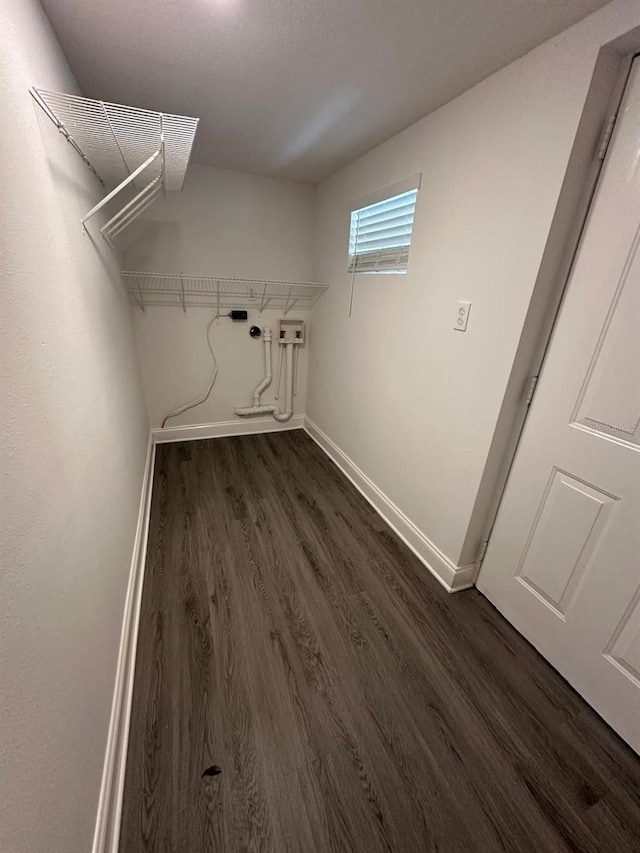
(257, 408)
(267, 368)
(284, 416)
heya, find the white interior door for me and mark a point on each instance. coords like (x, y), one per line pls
(563, 562)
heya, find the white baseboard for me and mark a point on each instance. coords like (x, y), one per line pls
(452, 577)
(248, 426)
(107, 831)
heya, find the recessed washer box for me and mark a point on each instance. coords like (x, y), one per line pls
(291, 331)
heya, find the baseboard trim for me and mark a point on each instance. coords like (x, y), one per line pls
(250, 426)
(452, 577)
(107, 830)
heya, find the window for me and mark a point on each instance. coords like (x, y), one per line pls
(380, 236)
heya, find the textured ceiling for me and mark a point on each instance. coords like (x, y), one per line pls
(296, 88)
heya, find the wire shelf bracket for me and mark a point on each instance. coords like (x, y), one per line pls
(184, 291)
(123, 147)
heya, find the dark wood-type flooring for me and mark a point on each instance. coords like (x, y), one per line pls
(288, 636)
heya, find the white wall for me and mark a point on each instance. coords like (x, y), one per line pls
(74, 437)
(411, 401)
(228, 224)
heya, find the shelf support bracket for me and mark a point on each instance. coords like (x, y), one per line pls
(115, 138)
(184, 304)
(120, 187)
(163, 162)
(264, 301)
(131, 210)
(140, 296)
(289, 303)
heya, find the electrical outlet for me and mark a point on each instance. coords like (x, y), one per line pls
(462, 316)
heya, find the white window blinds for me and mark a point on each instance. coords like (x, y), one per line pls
(380, 235)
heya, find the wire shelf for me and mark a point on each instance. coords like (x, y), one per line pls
(146, 288)
(114, 139)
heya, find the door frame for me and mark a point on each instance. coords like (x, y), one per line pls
(606, 90)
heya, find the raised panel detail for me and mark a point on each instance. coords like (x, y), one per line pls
(624, 647)
(566, 531)
(609, 401)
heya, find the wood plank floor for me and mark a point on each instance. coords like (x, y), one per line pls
(289, 637)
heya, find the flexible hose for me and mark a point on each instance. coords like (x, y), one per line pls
(205, 396)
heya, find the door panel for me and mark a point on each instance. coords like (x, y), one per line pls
(563, 563)
(610, 398)
(566, 532)
(624, 648)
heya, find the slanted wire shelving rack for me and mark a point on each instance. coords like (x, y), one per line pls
(146, 288)
(124, 147)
